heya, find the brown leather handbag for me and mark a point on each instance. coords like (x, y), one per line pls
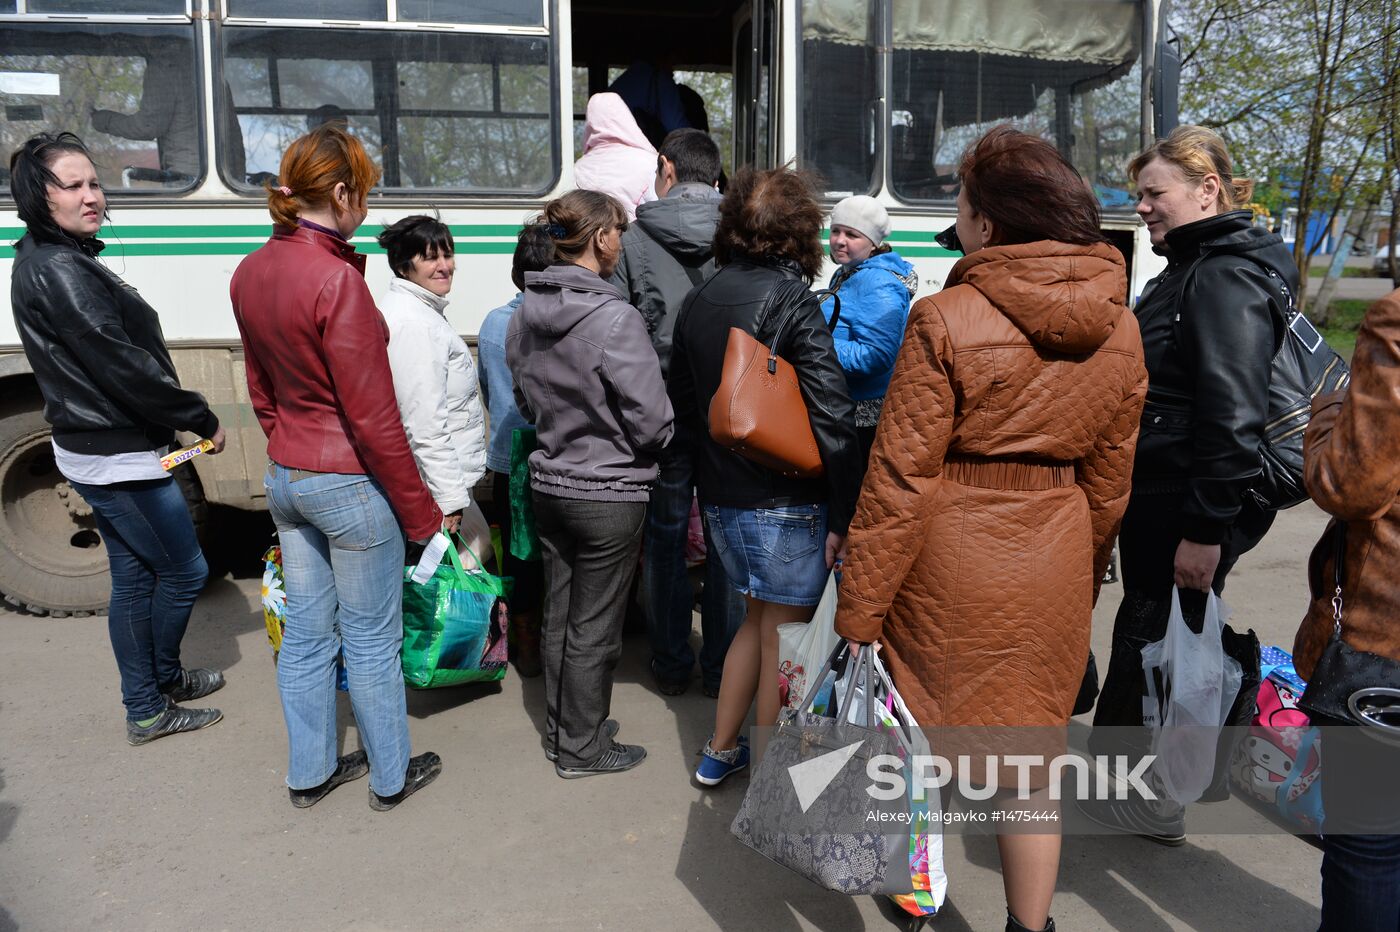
(758, 410)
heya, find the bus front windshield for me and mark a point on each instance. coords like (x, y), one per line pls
(1068, 70)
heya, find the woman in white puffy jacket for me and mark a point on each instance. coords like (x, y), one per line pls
(435, 379)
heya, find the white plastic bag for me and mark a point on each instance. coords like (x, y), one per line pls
(1198, 684)
(803, 649)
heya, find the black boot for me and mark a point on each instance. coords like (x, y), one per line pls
(1013, 926)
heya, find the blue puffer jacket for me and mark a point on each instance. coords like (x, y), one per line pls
(875, 296)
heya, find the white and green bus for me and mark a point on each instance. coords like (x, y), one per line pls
(474, 109)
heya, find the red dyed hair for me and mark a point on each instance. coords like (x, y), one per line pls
(1028, 190)
(311, 168)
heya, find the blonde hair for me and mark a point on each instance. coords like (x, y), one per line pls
(1196, 152)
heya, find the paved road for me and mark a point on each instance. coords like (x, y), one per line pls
(196, 831)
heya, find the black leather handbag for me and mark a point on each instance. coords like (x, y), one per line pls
(1303, 368)
(1349, 685)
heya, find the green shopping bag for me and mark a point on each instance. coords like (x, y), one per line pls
(454, 626)
(524, 542)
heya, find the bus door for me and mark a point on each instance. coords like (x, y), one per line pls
(706, 64)
(755, 117)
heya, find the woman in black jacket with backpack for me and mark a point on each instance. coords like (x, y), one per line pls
(1211, 323)
(115, 402)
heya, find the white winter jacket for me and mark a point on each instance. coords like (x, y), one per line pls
(436, 387)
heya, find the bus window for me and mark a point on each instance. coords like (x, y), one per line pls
(128, 90)
(841, 93)
(475, 12)
(107, 7)
(452, 111)
(487, 12)
(1066, 70)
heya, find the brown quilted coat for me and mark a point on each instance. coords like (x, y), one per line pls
(999, 475)
(1352, 468)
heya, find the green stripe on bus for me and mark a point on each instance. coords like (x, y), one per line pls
(247, 231)
(264, 230)
(117, 249)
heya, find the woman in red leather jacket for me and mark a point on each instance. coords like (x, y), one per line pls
(341, 480)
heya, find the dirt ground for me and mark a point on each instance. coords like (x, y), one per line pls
(196, 831)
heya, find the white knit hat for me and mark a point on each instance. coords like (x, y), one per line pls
(863, 214)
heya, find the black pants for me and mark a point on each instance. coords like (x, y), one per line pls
(1152, 531)
(590, 558)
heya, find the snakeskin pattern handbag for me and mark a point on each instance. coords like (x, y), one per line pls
(813, 833)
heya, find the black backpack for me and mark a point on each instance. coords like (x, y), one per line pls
(1303, 368)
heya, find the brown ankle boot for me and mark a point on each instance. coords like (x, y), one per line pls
(525, 632)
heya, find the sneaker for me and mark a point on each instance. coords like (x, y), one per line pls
(617, 758)
(1136, 817)
(195, 684)
(669, 687)
(715, 766)
(350, 767)
(422, 770)
(610, 728)
(172, 721)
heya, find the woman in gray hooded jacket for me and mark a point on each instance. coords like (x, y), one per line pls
(585, 373)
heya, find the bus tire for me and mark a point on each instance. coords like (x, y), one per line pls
(52, 561)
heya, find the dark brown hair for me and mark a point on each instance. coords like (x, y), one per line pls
(771, 214)
(414, 236)
(534, 252)
(571, 220)
(311, 168)
(1028, 190)
(31, 173)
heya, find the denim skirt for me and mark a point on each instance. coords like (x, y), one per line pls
(773, 554)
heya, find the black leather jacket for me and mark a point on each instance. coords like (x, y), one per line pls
(1210, 330)
(98, 353)
(734, 297)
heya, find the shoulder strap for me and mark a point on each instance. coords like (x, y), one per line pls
(1290, 311)
(786, 299)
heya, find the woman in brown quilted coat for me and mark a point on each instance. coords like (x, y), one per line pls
(1001, 469)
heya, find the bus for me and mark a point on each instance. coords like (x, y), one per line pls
(474, 110)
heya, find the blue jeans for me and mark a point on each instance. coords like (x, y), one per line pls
(158, 571)
(772, 554)
(1360, 832)
(667, 585)
(342, 559)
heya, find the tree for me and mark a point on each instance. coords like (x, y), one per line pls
(1300, 90)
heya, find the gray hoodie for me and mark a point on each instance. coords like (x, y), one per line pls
(586, 375)
(666, 252)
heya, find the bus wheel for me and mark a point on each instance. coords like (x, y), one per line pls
(52, 560)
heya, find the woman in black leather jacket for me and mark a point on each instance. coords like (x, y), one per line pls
(776, 537)
(115, 402)
(1211, 323)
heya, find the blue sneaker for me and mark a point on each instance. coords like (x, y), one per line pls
(716, 765)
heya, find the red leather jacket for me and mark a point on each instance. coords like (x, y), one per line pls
(318, 371)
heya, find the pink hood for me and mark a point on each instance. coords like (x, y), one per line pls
(617, 158)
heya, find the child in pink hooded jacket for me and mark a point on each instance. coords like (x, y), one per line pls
(617, 158)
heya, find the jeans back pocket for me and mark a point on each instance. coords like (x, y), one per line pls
(790, 534)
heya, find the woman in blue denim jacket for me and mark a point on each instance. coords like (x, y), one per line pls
(505, 419)
(875, 285)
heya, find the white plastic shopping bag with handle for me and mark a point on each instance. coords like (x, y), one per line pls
(804, 648)
(1191, 685)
